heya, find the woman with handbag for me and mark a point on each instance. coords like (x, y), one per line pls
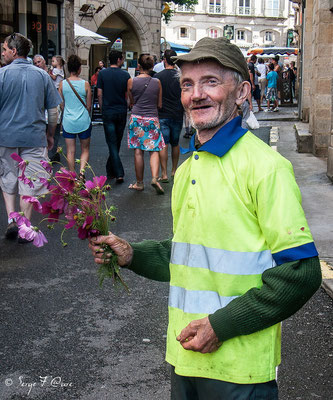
(144, 132)
(76, 94)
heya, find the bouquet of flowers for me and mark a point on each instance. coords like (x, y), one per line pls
(76, 203)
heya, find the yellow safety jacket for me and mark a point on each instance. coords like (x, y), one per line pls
(237, 212)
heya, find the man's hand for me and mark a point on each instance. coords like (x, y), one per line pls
(199, 336)
(50, 142)
(122, 249)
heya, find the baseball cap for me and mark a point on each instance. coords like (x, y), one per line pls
(219, 49)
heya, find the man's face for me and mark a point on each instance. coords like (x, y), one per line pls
(8, 54)
(39, 62)
(209, 94)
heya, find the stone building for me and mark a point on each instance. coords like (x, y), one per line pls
(314, 24)
(248, 23)
(135, 25)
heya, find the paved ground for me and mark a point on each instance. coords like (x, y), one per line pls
(89, 343)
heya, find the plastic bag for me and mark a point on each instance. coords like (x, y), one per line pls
(252, 121)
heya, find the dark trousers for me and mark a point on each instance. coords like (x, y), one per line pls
(56, 137)
(187, 388)
(114, 129)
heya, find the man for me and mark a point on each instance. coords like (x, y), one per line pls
(272, 94)
(39, 61)
(159, 66)
(242, 257)
(278, 68)
(111, 93)
(25, 92)
(171, 113)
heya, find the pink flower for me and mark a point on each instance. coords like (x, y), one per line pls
(98, 181)
(35, 202)
(32, 233)
(66, 179)
(22, 164)
(47, 165)
(20, 218)
(83, 231)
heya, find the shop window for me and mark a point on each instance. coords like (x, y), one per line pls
(244, 7)
(8, 19)
(240, 35)
(35, 27)
(183, 33)
(215, 6)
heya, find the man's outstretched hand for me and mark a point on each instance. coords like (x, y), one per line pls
(199, 336)
(120, 246)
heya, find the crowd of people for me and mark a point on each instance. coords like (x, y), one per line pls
(266, 79)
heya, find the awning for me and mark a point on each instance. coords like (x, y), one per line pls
(176, 47)
(84, 36)
(273, 51)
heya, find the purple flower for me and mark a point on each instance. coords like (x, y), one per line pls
(20, 218)
(47, 165)
(54, 213)
(45, 182)
(83, 231)
(26, 180)
(98, 181)
(66, 179)
(40, 239)
(35, 202)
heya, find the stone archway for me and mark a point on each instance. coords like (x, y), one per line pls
(144, 20)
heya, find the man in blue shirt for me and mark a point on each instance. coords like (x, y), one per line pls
(25, 92)
(111, 92)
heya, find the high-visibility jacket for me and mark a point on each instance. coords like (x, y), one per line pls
(237, 212)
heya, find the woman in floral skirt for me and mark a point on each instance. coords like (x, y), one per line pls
(144, 133)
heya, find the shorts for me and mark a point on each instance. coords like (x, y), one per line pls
(256, 93)
(82, 135)
(171, 129)
(262, 84)
(9, 171)
(271, 94)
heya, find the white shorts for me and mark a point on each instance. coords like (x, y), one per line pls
(9, 171)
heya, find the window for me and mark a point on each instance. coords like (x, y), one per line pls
(215, 6)
(183, 32)
(244, 7)
(240, 35)
(268, 36)
(272, 8)
(184, 8)
(213, 33)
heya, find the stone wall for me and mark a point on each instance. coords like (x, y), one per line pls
(317, 73)
(322, 77)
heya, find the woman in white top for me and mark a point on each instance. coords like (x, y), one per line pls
(262, 78)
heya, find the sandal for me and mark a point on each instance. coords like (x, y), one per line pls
(163, 180)
(155, 184)
(136, 186)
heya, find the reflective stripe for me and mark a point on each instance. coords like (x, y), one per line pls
(222, 261)
(197, 301)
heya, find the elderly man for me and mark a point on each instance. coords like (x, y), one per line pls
(39, 61)
(25, 92)
(242, 258)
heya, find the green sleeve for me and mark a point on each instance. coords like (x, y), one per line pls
(151, 259)
(286, 288)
